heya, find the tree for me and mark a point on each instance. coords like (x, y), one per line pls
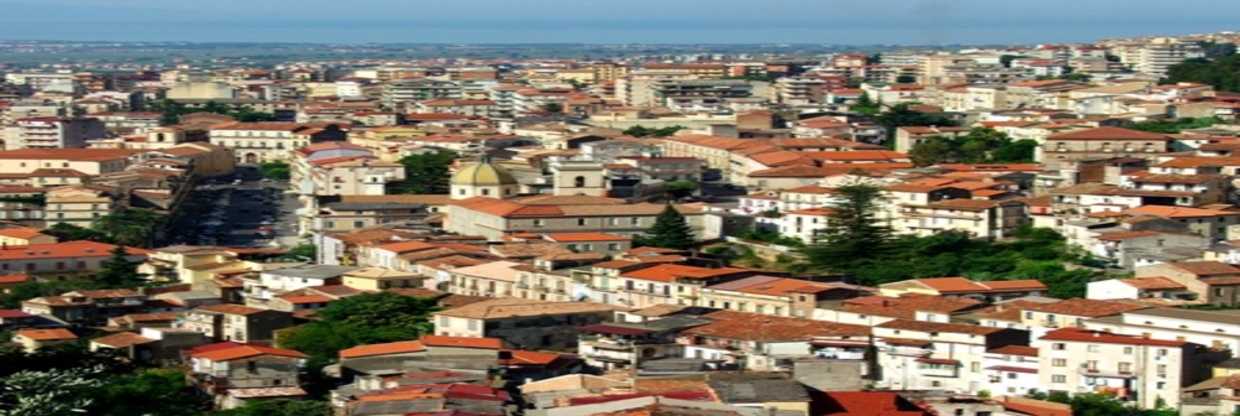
(425, 173)
(643, 131)
(279, 407)
(1222, 73)
(900, 115)
(362, 319)
(64, 231)
(302, 252)
(853, 233)
(131, 226)
(553, 107)
(865, 105)
(980, 145)
(1006, 60)
(670, 230)
(1175, 126)
(148, 392)
(276, 171)
(54, 392)
(679, 189)
(118, 272)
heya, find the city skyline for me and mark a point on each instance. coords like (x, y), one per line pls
(929, 22)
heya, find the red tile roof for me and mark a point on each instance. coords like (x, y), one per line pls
(462, 342)
(1083, 335)
(1110, 133)
(672, 272)
(869, 403)
(399, 347)
(240, 351)
(55, 334)
(68, 249)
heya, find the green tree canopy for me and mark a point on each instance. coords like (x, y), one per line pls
(277, 171)
(980, 145)
(363, 319)
(131, 226)
(670, 230)
(425, 173)
(853, 234)
(1175, 126)
(642, 131)
(118, 271)
(279, 407)
(64, 231)
(900, 115)
(1223, 73)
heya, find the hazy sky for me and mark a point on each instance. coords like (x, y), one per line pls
(613, 21)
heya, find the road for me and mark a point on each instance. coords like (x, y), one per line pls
(241, 211)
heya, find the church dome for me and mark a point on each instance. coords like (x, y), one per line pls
(483, 174)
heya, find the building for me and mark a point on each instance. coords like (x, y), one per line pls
(495, 218)
(483, 179)
(87, 161)
(916, 355)
(233, 373)
(1061, 151)
(261, 142)
(32, 340)
(55, 133)
(987, 291)
(527, 324)
(1147, 372)
(70, 259)
(236, 323)
(777, 296)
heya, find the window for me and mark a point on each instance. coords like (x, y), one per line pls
(579, 182)
(538, 223)
(1059, 362)
(1127, 350)
(581, 221)
(486, 192)
(1092, 348)
(1058, 346)
(1059, 378)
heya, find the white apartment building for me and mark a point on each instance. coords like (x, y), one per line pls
(1217, 330)
(1147, 372)
(55, 132)
(917, 355)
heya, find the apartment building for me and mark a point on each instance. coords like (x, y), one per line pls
(987, 291)
(338, 168)
(496, 279)
(977, 218)
(1217, 330)
(1060, 151)
(526, 324)
(776, 296)
(55, 133)
(918, 355)
(1146, 372)
(78, 205)
(261, 142)
(674, 284)
(398, 93)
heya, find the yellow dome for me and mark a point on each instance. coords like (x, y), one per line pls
(483, 174)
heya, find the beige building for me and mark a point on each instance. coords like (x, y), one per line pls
(1061, 150)
(775, 296)
(32, 339)
(375, 279)
(483, 179)
(495, 279)
(23, 236)
(87, 161)
(526, 324)
(78, 205)
(495, 218)
(262, 142)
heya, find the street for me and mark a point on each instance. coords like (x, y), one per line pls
(240, 211)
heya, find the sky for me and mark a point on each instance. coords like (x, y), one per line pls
(846, 22)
